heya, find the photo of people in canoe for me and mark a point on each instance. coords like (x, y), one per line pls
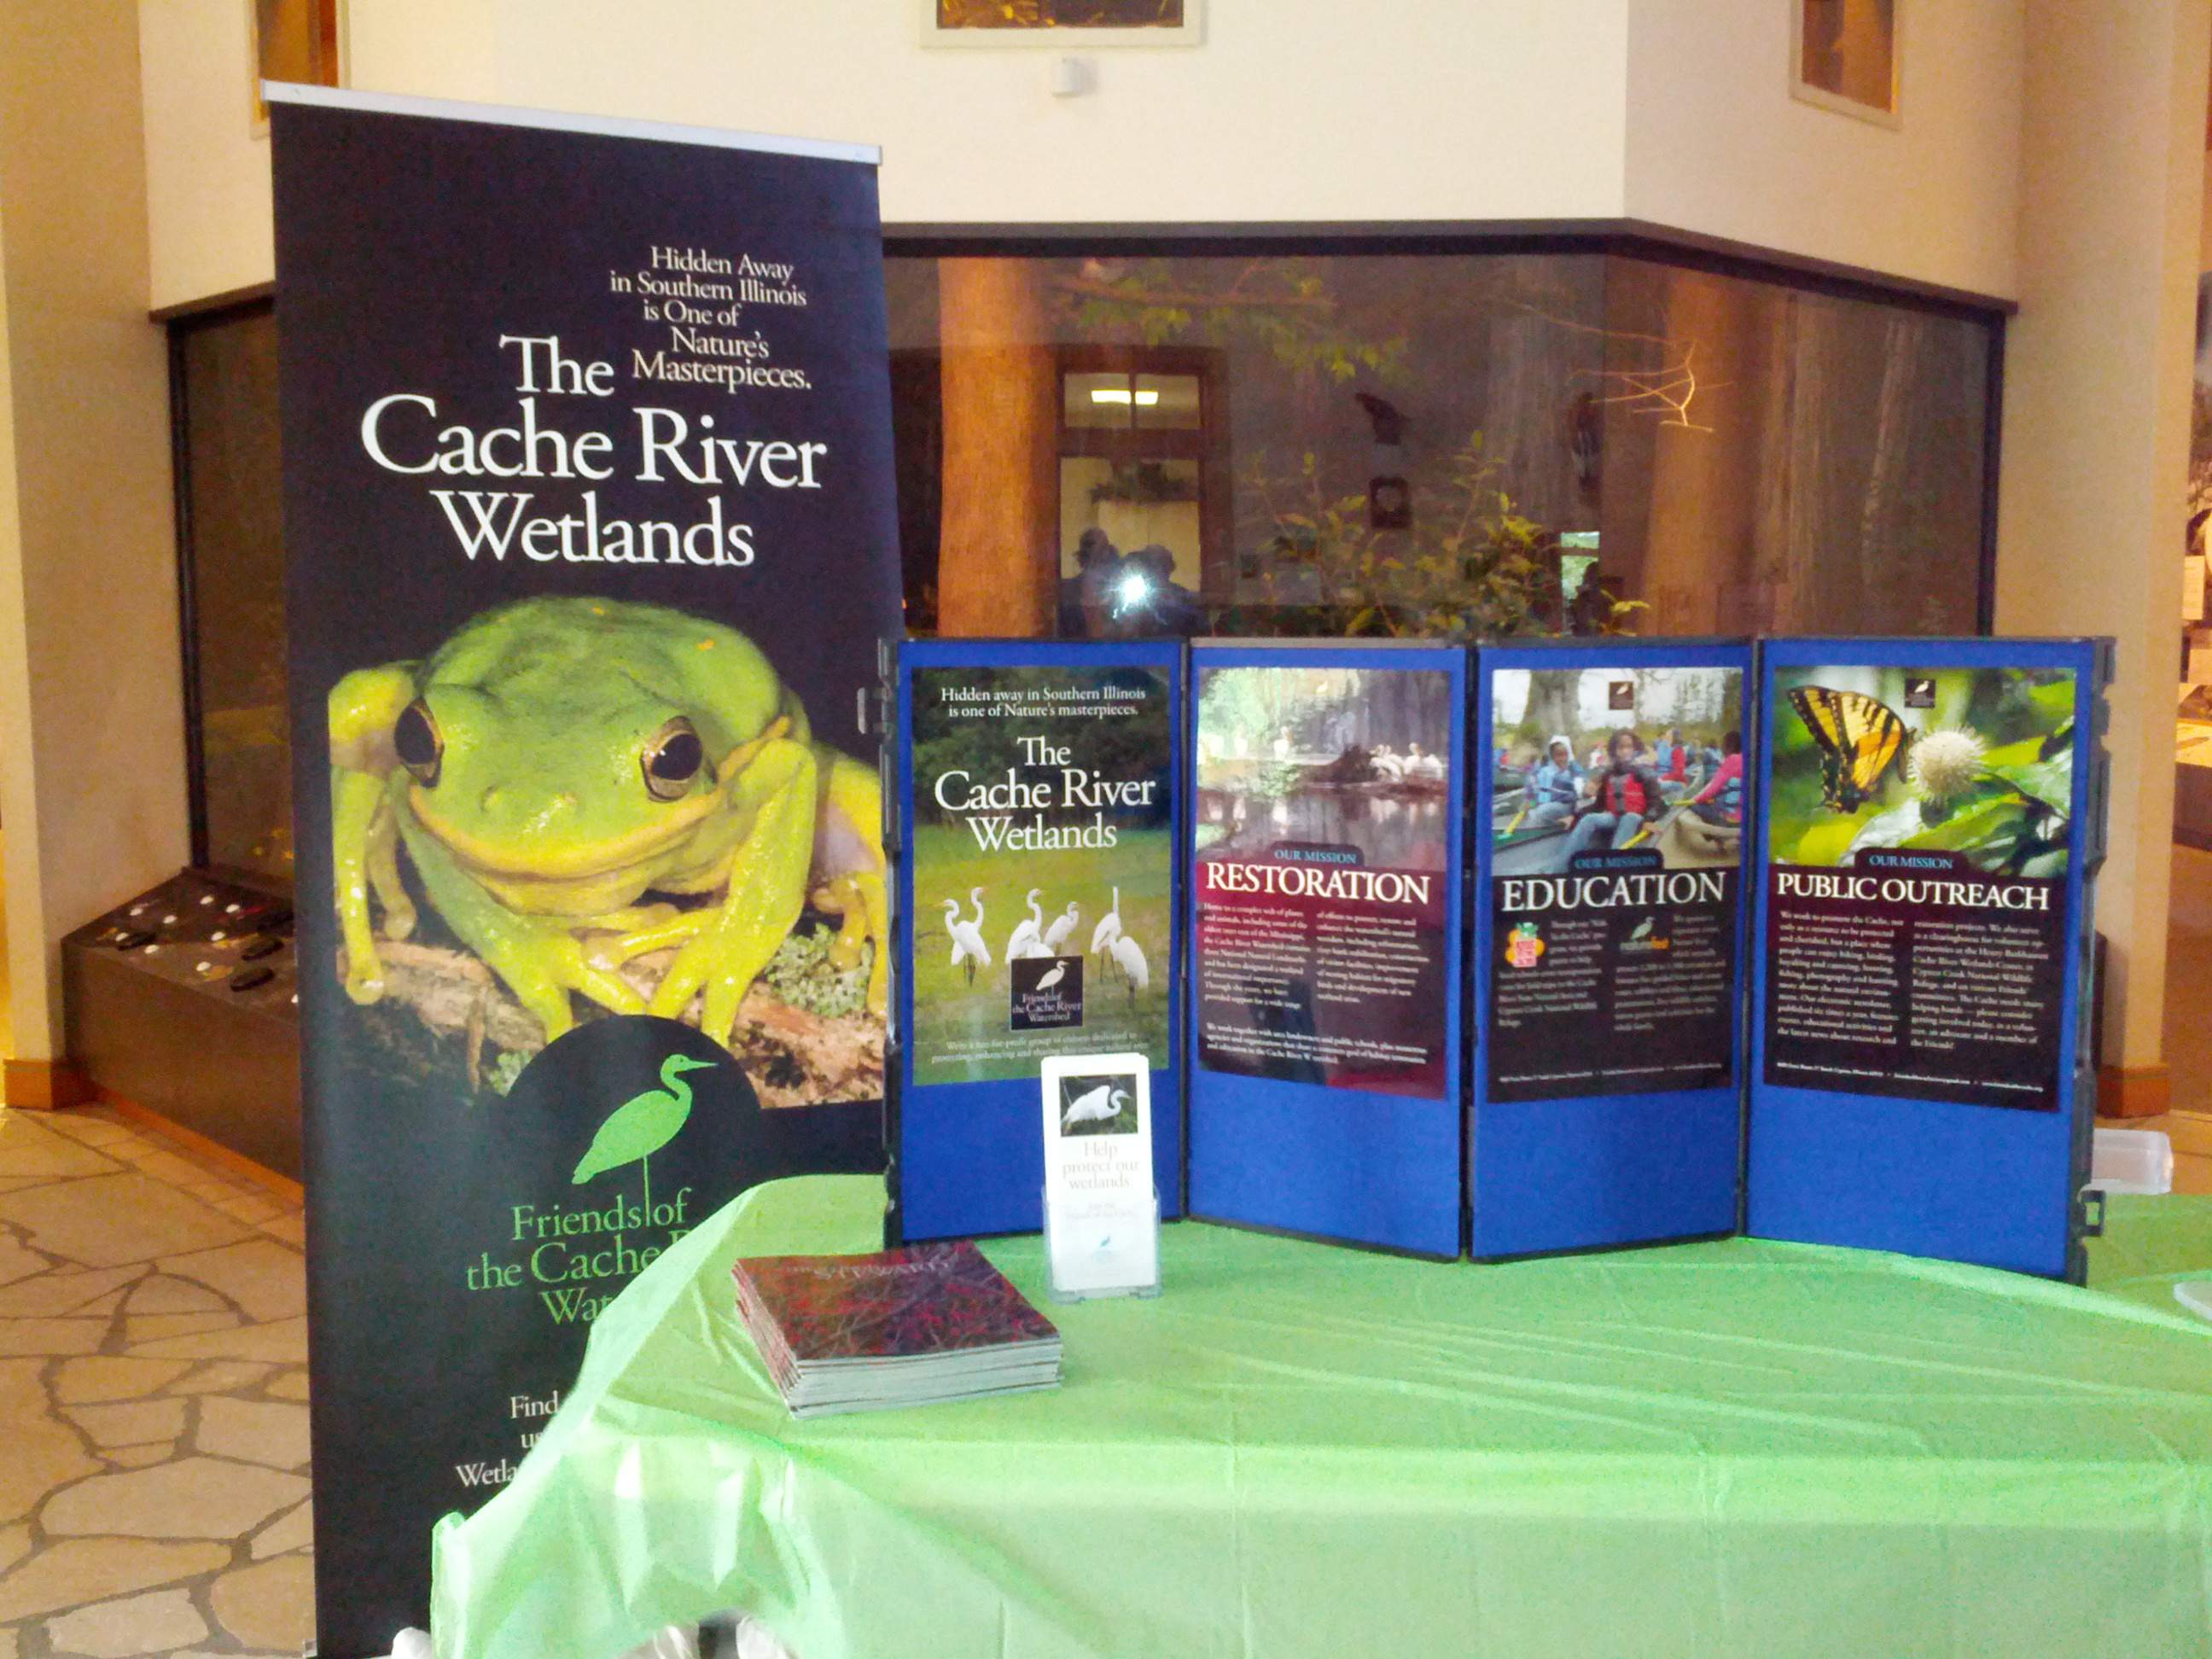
(1590, 760)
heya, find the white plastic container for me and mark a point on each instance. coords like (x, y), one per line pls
(2131, 1161)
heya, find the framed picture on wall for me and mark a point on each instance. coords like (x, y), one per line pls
(294, 40)
(1844, 56)
(1068, 25)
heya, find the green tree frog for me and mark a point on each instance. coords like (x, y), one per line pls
(557, 760)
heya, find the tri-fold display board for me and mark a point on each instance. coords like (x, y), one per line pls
(1607, 921)
(1921, 994)
(1537, 947)
(1038, 811)
(1324, 903)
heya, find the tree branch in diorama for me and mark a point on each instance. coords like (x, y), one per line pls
(1666, 391)
(792, 1055)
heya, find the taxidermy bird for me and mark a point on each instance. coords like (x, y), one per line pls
(1389, 420)
(1062, 926)
(1129, 956)
(1095, 1105)
(1109, 926)
(968, 946)
(1052, 976)
(638, 1127)
(1031, 931)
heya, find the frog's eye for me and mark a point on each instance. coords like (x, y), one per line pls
(418, 743)
(672, 760)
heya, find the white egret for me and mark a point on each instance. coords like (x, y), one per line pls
(1031, 931)
(1062, 926)
(1109, 926)
(1129, 956)
(1052, 976)
(1094, 1106)
(968, 946)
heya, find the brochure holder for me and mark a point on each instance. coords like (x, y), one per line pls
(1036, 795)
(1323, 903)
(1604, 1095)
(1933, 813)
(1101, 1253)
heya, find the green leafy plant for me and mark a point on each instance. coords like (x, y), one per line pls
(1469, 565)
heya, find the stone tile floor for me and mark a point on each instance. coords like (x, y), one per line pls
(153, 1487)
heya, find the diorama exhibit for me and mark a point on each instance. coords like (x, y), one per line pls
(980, 934)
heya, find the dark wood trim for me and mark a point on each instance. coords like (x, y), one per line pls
(188, 643)
(2134, 1091)
(1985, 598)
(43, 1085)
(1630, 238)
(1637, 238)
(185, 310)
(230, 1162)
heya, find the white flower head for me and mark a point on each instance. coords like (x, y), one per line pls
(1944, 765)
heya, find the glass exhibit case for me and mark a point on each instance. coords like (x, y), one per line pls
(1370, 441)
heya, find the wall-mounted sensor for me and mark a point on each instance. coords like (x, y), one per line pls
(1071, 77)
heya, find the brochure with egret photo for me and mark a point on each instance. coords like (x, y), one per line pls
(1043, 859)
(1102, 1209)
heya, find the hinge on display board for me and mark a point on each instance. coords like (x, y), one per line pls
(2089, 1212)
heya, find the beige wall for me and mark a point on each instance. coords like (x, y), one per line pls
(1675, 111)
(2096, 417)
(1716, 143)
(92, 760)
(1293, 109)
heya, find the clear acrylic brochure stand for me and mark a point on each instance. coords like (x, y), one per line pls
(1101, 1246)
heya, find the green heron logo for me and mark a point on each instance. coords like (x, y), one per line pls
(638, 1127)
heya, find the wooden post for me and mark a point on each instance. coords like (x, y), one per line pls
(999, 558)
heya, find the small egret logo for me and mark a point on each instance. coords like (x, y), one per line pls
(1523, 945)
(1648, 935)
(1044, 992)
(638, 1127)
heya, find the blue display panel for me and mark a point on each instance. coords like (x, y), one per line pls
(1324, 907)
(1932, 812)
(1610, 824)
(1039, 829)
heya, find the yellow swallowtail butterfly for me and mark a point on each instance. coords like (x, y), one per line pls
(1859, 736)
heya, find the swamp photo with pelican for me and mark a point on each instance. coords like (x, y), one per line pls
(1043, 859)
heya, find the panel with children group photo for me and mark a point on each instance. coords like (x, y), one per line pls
(1616, 845)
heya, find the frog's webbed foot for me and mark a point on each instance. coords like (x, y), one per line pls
(730, 943)
(637, 933)
(359, 812)
(543, 976)
(543, 963)
(541, 959)
(849, 857)
(381, 856)
(864, 919)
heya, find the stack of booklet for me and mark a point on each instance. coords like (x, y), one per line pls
(902, 1327)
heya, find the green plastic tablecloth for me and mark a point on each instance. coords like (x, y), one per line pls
(1718, 1449)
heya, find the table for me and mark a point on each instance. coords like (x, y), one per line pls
(1727, 1448)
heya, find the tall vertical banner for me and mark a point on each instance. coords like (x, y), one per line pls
(1933, 812)
(1328, 788)
(588, 509)
(1609, 943)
